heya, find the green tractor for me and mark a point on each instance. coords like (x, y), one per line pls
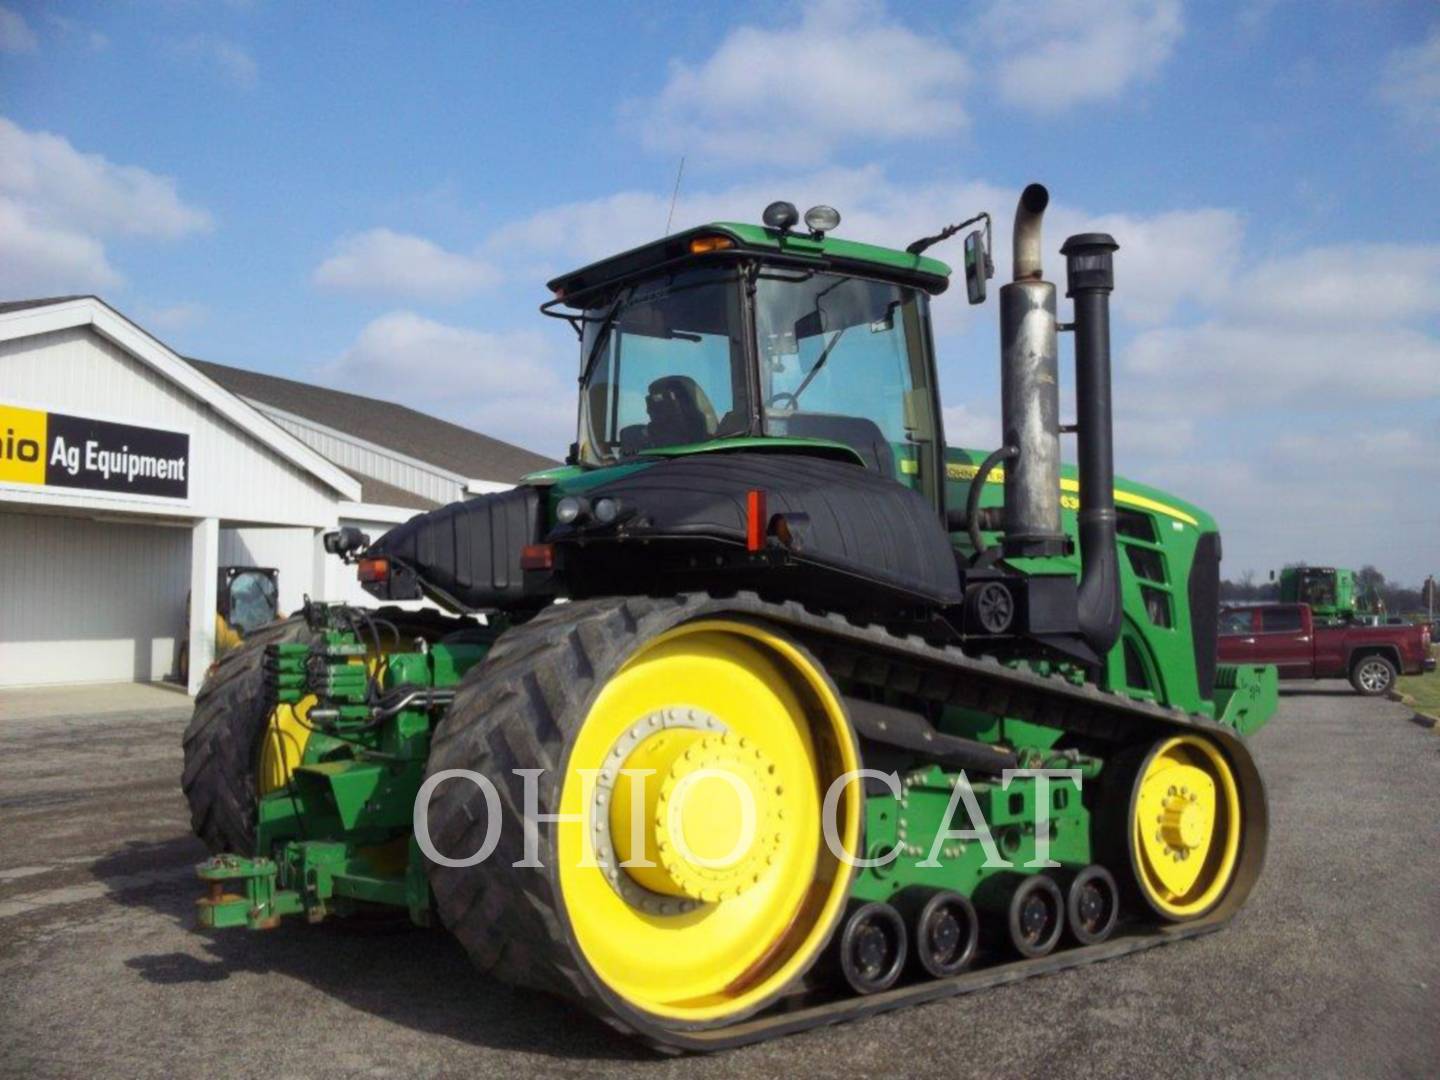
(768, 709)
(1332, 593)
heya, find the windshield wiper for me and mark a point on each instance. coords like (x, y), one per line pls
(819, 363)
(603, 333)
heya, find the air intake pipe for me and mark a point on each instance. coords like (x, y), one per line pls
(1030, 392)
(1090, 278)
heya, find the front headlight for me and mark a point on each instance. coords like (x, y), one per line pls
(607, 510)
(569, 510)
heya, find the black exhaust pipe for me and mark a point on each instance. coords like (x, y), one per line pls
(1090, 278)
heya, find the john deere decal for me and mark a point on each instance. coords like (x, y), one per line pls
(54, 450)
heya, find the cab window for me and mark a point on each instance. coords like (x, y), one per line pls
(1235, 622)
(845, 359)
(1284, 620)
(665, 366)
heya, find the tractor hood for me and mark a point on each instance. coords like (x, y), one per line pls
(746, 507)
(819, 512)
(465, 556)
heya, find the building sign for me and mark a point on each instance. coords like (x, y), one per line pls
(51, 449)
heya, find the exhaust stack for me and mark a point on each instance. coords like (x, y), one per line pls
(1030, 392)
(1090, 278)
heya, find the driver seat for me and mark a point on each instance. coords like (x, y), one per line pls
(680, 412)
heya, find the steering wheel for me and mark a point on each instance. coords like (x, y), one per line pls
(783, 395)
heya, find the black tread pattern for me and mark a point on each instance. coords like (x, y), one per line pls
(220, 740)
(521, 708)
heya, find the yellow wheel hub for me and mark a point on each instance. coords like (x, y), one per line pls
(1187, 826)
(692, 863)
(706, 810)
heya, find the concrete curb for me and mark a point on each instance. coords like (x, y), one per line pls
(1424, 719)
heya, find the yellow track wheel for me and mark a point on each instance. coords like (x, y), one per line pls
(692, 863)
(1186, 827)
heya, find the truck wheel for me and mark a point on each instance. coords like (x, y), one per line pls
(1372, 675)
(222, 741)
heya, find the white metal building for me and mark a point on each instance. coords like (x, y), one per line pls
(130, 474)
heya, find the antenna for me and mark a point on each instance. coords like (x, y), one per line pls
(674, 195)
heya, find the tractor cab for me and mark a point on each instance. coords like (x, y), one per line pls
(736, 337)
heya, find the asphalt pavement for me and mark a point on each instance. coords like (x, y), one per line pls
(1333, 968)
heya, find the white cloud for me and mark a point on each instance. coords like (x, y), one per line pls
(57, 205)
(1336, 327)
(15, 33)
(59, 184)
(1410, 82)
(38, 259)
(508, 385)
(1061, 53)
(785, 95)
(1222, 366)
(1165, 259)
(388, 262)
(224, 57)
(978, 428)
(1343, 283)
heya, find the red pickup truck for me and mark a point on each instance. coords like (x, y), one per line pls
(1286, 635)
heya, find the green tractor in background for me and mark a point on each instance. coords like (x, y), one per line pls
(1333, 594)
(735, 726)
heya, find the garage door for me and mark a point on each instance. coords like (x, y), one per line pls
(89, 601)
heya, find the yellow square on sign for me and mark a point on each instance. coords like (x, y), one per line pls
(22, 445)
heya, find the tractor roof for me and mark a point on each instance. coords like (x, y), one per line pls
(845, 256)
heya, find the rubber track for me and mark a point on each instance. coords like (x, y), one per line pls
(521, 708)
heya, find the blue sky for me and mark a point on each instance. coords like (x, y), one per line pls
(373, 196)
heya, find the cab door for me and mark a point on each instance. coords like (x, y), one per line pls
(1286, 640)
(1236, 631)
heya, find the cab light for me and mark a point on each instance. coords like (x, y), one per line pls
(372, 570)
(537, 557)
(703, 244)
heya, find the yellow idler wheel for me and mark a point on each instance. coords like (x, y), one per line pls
(283, 745)
(695, 874)
(1186, 827)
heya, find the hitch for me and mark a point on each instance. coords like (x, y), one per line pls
(314, 878)
(261, 906)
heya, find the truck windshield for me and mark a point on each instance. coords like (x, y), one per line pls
(665, 366)
(846, 359)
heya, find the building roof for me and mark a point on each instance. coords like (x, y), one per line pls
(448, 446)
(24, 305)
(378, 491)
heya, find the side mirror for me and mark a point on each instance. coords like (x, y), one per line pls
(978, 268)
(345, 541)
